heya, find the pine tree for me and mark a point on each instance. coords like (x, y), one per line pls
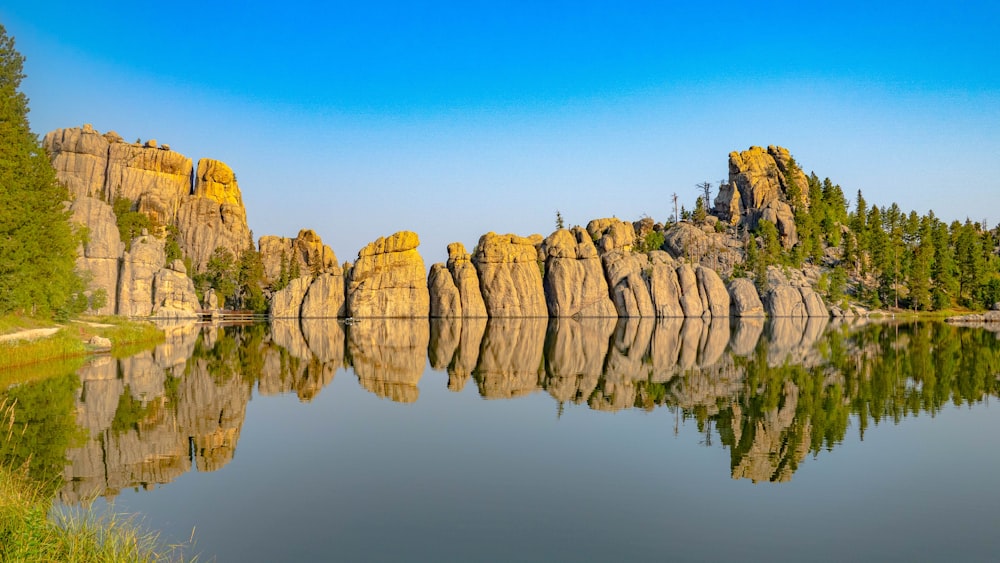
(37, 244)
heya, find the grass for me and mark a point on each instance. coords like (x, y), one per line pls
(31, 529)
(127, 337)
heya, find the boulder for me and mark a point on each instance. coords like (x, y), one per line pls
(574, 281)
(510, 275)
(325, 297)
(664, 289)
(611, 234)
(744, 299)
(784, 301)
(99, 342)
(690, 299)
(463, 273)
(214, 216)
(287, 302)
(714, 297)
(813, 303)
(445, 300)
(627, 283)
(389, 280)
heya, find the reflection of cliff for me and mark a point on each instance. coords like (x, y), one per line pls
(142, 414)
(389, 356)
(510, 358)
(149, 417)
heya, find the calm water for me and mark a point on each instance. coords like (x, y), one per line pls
(528, 439)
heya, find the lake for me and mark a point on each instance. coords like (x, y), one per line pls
(539, 440)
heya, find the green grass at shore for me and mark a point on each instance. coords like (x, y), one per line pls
(127, 337)
(32, 529)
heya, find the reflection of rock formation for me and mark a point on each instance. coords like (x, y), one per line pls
(302, 357)
(793, 340)
(140, 427)
(454, 346)
(510, 361)
(625, 365)
(764, 448)
(575, 350)
(389, 356)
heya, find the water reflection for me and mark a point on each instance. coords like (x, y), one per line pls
(770, 393)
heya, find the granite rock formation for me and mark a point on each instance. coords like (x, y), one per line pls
(574, 278)
(744, 299)
(463, 273)
(307, 249)
(389, 280)
(510, 276)
(101, 250)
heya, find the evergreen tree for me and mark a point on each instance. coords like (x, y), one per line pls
(37, 244)
(919, 278)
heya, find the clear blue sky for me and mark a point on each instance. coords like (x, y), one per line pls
(453, 119)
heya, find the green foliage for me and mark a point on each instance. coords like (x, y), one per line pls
(560, 224)
(37, 243)
(172, 247)
(130, 412)
(130, 222)
(652, 241)
(700, 213)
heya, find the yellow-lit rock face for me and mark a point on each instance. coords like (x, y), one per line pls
(389, 280)
(217, 182)
(510, 275)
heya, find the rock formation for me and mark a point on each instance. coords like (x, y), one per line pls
(703, 245)
(463, 273)
(510, 276)
(324, 298)
(664, 289)
(445, 300)
(287, 302)
(173, 293)
(389, 280)
(714, 297)
(307, 249)
(761, 180)
(690, 299)
(574, 281)
(214, 216)
(146, 287)
(744, 299)
(101, 250)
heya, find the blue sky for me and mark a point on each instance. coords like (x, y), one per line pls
(453, 119)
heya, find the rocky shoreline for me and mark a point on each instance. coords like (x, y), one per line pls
(602, 270)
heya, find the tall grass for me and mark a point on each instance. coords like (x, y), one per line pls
(23, 352)
(31, 529)
(127, 337)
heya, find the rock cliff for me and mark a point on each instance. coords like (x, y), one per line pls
(574, 281)
(759, 187)
(510, 276)
(389, 280)
(307, 249)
